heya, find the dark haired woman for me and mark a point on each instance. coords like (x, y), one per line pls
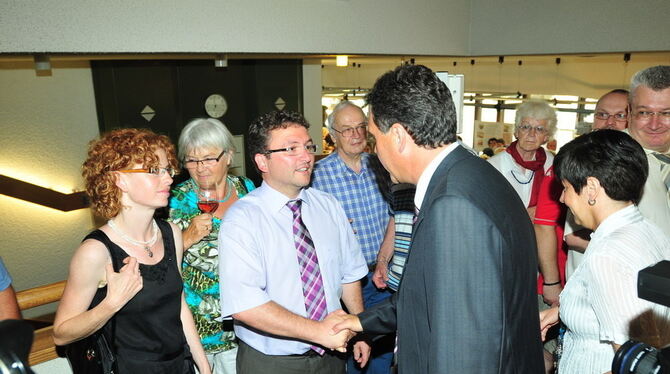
(603, 174)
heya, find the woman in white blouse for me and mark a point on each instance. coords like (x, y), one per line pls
(603, 174)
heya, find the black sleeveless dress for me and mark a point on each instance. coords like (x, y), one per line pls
(147, 333)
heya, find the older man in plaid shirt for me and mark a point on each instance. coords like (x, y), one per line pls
(361, 185)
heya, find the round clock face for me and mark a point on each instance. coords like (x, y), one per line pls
(216, 106)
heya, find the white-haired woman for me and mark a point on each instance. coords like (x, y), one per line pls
(206, 151)
(524, 163)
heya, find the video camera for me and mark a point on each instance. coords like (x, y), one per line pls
(16, 337)
(653, 284)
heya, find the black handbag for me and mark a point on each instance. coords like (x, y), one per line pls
(94, 354)
(91, 355)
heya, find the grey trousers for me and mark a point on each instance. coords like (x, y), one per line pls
(251, 361)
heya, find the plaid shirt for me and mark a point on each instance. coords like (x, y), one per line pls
(361, 197)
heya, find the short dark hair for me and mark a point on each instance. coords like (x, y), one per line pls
(613, 157)
(492, 140)
(414, 97)
(259, 131)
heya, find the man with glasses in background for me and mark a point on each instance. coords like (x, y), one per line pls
(290, 257)
(359, 183)
(650, 126)
(611, 111)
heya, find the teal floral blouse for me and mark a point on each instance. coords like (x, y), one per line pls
(200, 266)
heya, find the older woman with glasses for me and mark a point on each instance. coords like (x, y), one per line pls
(524, 163)
(603, 175)
(124, 278)
(206, 151)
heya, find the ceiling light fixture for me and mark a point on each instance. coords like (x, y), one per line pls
(341, 60)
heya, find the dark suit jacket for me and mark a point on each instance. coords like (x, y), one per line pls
(467, 301)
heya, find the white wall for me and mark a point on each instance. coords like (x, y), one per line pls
(46, 123)
(422, 27)
(568, 26)
(264, 26)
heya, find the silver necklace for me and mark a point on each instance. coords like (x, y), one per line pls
(146, 244)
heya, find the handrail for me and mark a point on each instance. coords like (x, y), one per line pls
(41, 295)
(44, 348)
(41, 195)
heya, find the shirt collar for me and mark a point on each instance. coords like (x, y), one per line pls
(275, 200)
(345, 167)
(427, 174)
(621, 217)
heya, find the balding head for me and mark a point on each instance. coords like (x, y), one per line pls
(611, 111)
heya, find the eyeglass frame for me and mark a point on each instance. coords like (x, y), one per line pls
(646, 115)
(525, 128)
(618, 119)
(311, 148)
(203, 161)
(153, 171)
(351, 129)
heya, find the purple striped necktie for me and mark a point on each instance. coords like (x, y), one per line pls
(312, 283)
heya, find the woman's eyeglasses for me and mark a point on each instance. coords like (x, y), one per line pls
(155, 171)
(192, 164)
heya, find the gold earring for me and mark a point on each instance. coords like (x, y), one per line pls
(592, 202)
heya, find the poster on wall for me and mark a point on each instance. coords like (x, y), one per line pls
(483, 131)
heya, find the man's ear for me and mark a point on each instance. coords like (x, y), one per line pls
(399, 136)
(261, 162)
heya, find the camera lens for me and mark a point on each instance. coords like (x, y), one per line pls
(635, 358)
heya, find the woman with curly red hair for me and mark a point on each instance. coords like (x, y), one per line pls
(124, 277)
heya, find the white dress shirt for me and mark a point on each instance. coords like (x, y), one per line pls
(258, 260)
(427, 174)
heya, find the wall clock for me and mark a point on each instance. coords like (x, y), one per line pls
(216, 106)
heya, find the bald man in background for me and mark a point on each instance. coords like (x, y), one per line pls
(611, 111)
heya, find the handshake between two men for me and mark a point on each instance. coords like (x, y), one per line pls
(337, 329)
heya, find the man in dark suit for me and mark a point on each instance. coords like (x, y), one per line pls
(467, 299)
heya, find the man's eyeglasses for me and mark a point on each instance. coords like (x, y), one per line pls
(348, 133)
(294, 150)
(645, 115)
(619, 117)
(192, 164)
(155, 171)
(525, 128)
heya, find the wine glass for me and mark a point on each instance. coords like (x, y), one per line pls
(208, 203)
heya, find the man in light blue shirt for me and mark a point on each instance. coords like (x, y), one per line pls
(358, 181)
(259, 264)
